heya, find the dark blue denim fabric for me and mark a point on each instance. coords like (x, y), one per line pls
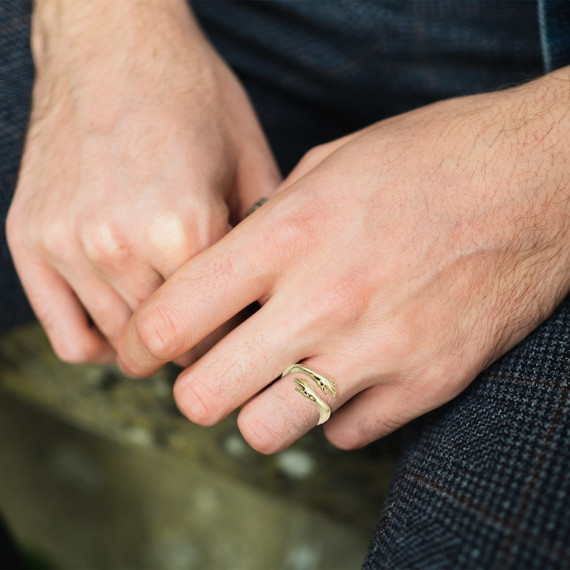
(483, 482)
(16, 76)
(319, 69)
(554, 18)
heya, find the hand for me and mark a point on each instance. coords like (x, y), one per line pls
(400, 261)
(142, 149)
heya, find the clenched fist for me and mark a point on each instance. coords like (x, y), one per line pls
(142, 150)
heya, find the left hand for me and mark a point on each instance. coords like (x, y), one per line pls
(400, 261)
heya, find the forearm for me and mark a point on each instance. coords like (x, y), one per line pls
(95, 29)
(96, 51)
(544, 115)
(542, 119)
(515, 144)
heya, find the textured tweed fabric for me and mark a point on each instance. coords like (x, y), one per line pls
(483, 482)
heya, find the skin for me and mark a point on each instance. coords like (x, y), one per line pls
(142, 150)
(400, 261)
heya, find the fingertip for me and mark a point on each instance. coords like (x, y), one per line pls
(80, 345)
(265, 437)
(73, 338)
(125, 370)
(64, 320)
(132, 358)
(200, 403)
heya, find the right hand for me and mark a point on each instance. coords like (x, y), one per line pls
(142, 149)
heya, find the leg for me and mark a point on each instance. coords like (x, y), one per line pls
(318, 70)
(484, 481)
(16, 78)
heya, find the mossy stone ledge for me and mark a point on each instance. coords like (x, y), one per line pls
(102, 471)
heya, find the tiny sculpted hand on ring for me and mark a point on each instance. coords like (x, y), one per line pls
(397, 262)
(326, 385)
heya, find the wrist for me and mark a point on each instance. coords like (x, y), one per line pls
(543, 118)
(98, 29)
(97, 53)
(545, 124)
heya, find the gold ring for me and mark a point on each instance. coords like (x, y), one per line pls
(324, 383)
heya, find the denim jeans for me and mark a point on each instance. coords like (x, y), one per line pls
(483, 482)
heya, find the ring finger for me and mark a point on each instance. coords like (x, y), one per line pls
(280, 415)
(105, 306)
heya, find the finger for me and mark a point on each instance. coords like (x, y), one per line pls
(133, 286)
(107, 309)
(279, 416)
(240, 365)
(310, 160)
(372, 414)
(203, 294)
(173, 238)
(211, 340)
(62, 316)
(116, 263)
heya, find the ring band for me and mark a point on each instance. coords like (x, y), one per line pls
(323, 382)
(257, 205)
(304, 388)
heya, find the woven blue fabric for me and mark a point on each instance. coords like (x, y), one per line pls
(554, 18)
(319, 69)
(483, 482)
(16, 76)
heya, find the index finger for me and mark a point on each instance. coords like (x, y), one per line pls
(203, 294)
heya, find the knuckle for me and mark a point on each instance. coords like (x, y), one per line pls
(291, 233)
(401, 344)
(80, 352)
(169, 234)
(313, 156)
(439, 381)
(159, 331)
(342, 302)
(178, 236)
(103, 244)
(56, 238)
